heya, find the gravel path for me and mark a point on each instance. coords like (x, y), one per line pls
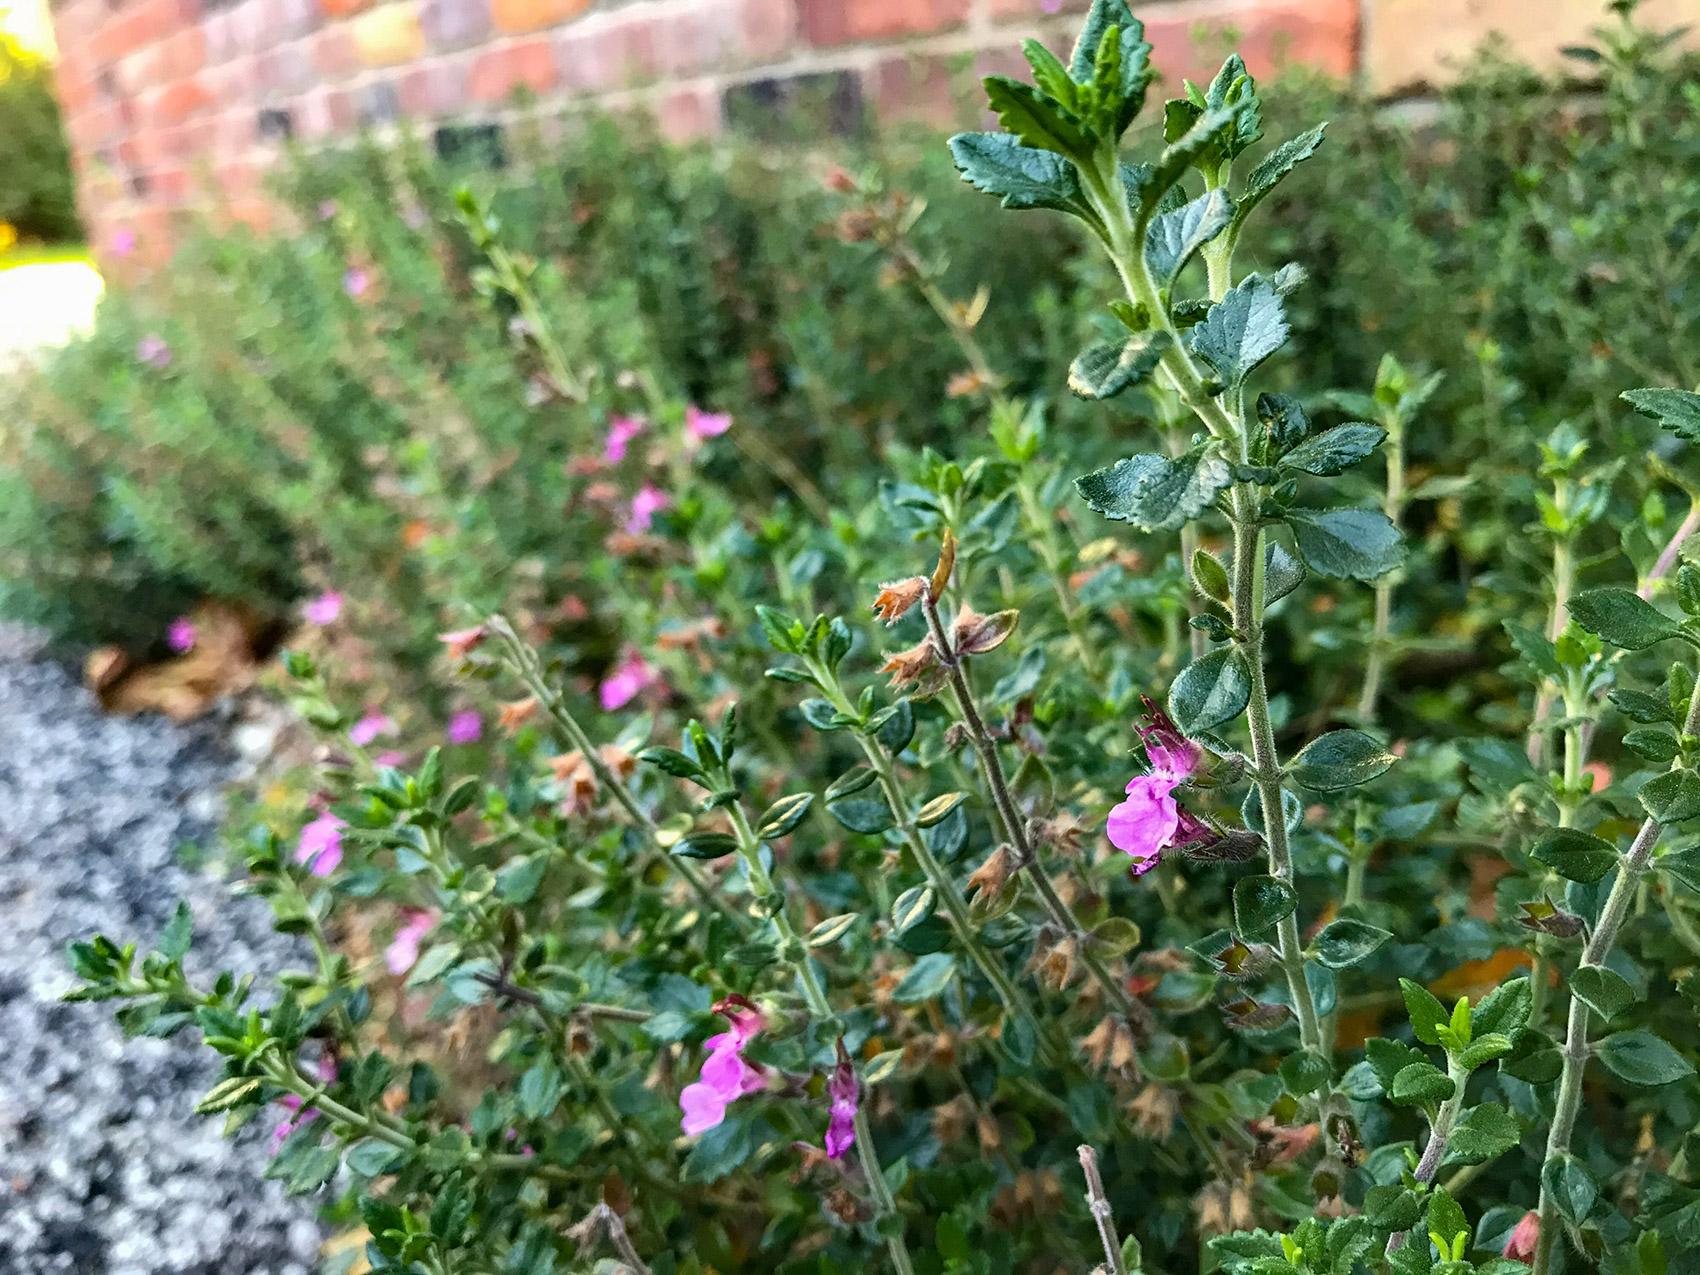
(104, 1169)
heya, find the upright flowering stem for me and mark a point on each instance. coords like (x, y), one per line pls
(1630, 871)
(770, 902)
(525, 663)
(1010, 817)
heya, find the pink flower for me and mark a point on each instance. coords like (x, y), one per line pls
(1150, 819)
(1521, 1246)
(841, 1123)
(621, 430)
(462, 641)
(632, 676)
(393, 757)
(1051, 6)
(369, 727)
(703, 424)
(323, 609)
(356, 281)
(465, 727)
(649, 501)
(123, 242)
(153, 351)
(725, 1075)
(180, 635)
(403, 951)
(327, 209)
(320, 847)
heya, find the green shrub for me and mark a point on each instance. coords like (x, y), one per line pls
(37, 198)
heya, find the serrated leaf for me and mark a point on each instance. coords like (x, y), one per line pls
(1445, 1217)
(1504, 1010)
(1021, 176)
(1575, 855)
(1274, 167)
(1173, 237)
(1211, 691)
(1533, 1059)
(1421, 1083)
(1150, 185)
(927, 978)
(1336, 450)
(1242, 329)
(1346, 942)
(1304, 1072)
(1672, 797)
(1655, 745)
(672, 761)
(1642, 706)
(1033, 118)
(1535, 648)
(1604, 991)
(179, 932)
(1347, 544)
(1105, 369)
(1676, 410)
(1684, 865)
(831, 930)
(1622, 617)
(1425, 1011)
(1338, 760)
(1133, 60)
(1155, 493)
(1642, 1058)
(1261, 903)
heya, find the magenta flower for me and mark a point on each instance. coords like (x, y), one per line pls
(630, 678)
(123, 242)
(649, 501)
(327, 209)
(703, 424)
(465, 727)
(725, 1075)
(369, 727)
(1051, 6)
(356, 281)
(462, 641)
(292, 1103)
(391, 757)
(180, 635)
(323, 609)
(621, 431)
(320, 847)
(153, 351)
(1150, 819)
(841, 1123)
(403, 951)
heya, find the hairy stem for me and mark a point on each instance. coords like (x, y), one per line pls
(1394, 507)
(1440, 1131)
(1101, 1214)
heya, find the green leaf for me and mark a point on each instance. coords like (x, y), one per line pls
(1427, 1016)
(1038, 122)
(1242, 329)
(1672, 797)
(1504, 1010)
(1173, 237)
(1533, 1059)
(1133, 60)
(1106, 368)
(1304, 1072)
(1022, 176)
(1535, 648)
(926, 978)
(1571, 1185)
(831, 930)
(1050, 74)
(238, 1091)
(1336, 450)
(1274, 167)
(938, 809)
(672, 761)
(370, 1157)
(867, 814)
(1338, 760)
(1676, 410)
(705, 845)
(1622, 617)
(1211, 691)
(1655, 745)
(1684, 865)
(724, 1148)
(1484, 1049)
(517, 879)
(1115, 937)
(1393, 1207)
(1156, 493)
(1604, 991)
(541, 1089)
(784, 815)
(179, 932)
(1150, 185)
(1347, 544)
(1282, 573)
(1643, 707)
(1261, 903)
(913, 906)
(1209, 576)
(1445, 1218)
(1420, 1083)
(1642, 1058)
(1387, 1058)
(1575, 855)
(1344, 943)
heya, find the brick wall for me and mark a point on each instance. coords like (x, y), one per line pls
(179, 105)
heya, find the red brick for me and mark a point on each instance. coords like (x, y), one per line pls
(844, 21)
(168, 185)
(288, 69)
(609, 55)
(769, 26)
(529, 15)
(179, 102)
(333, 53)
(453, 24)
(220, 33)
(342, 8)
(698, 39)
(1006, 10)
(497, 73)
(436, 89)
(282, 20)
(688, 114)
(919, 89)
(183, 54)
(1268, 34)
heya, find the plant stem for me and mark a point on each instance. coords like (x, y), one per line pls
(1440, 1130)
(1629, 873)
(1101, 1214)
(1394, 507)
(523, 660)
(1009, 816)
(796, 956)
(1247, 586)
(1563, 580)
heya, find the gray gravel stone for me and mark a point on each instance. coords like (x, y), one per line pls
(104, 1168)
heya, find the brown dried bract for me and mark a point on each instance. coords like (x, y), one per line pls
(975, 634)
(897, 597)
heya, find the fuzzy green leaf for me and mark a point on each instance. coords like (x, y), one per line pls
(1336, 450)
(1260, 903)
(926, 978)
(1426, 1014)
(1155, 493)
(1623, 618)
(1338, 760)
(1421, 1082)
(1021, 176)
(1274, 167)
(1672, 797)
(1033, 118)
(1211, 691)
(1571, 1185)
(1173, 237)
(1242, 329)
(1604, 991)
(1107, 368)
(1575, 855)
(1642, 1058)
(1347, 544)
(1676, 410)
(1345, 942)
